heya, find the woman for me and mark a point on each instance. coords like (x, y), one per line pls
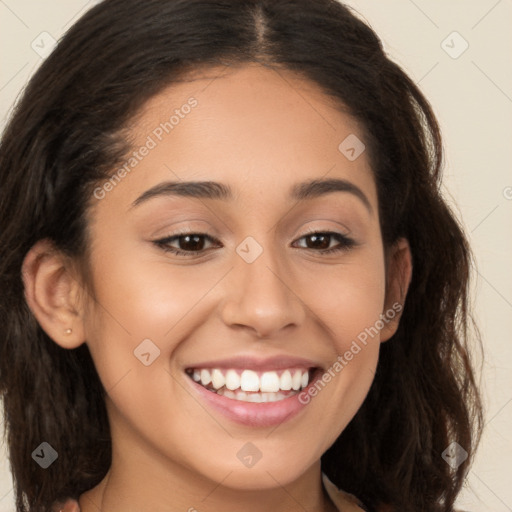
(230, 280)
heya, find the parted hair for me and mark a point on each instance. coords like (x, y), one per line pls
(66, 134)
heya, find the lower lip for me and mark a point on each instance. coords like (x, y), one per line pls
(266, 414)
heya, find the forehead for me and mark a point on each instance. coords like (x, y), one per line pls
(259, 129)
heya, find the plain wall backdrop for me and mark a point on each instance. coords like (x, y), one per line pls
(460, 54)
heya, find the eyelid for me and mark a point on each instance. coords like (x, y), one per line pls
(312, 231)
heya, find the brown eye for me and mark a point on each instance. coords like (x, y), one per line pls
(191, 242)
(186, 244)
(321, 242)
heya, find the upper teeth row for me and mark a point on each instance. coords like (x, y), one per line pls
(249, 380)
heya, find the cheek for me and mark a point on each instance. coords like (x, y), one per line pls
(348, 298)
(147, 297)
(347, 301)
(147, 304)
(137, 300)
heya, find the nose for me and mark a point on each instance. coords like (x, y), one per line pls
(260, 298)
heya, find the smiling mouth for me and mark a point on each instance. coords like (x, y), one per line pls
(252, 386)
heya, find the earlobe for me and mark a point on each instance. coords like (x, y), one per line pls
(52, 294)
(399, 274)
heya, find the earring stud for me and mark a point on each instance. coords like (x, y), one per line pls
(68, 331)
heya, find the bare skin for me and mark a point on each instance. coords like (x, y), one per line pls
(260, 132)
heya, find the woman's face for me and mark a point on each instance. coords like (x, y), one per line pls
(253, 303)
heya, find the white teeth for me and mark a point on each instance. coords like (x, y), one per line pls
(286, 381)
(241, 395)
(252, 397)
(305, 379)
(256, 398)
(270, 382)
(296, 380)
(232, 380)
(218, 379)
(206, 378)
(249, 381)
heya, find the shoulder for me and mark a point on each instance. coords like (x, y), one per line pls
(69, 505)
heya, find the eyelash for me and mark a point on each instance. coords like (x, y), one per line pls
(345, 243)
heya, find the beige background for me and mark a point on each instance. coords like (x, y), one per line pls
(472, 96)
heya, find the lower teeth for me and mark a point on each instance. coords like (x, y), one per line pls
(254, 397)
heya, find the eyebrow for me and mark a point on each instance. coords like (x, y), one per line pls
(214, 190)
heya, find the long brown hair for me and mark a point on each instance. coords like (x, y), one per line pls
(66, 135)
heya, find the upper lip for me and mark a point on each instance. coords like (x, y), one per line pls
(248, 362)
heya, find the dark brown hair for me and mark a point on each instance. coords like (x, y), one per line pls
(66, 134)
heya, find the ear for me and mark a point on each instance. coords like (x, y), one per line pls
(53, 294)
(398, 278)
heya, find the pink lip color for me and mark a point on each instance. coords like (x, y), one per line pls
(252, 414)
